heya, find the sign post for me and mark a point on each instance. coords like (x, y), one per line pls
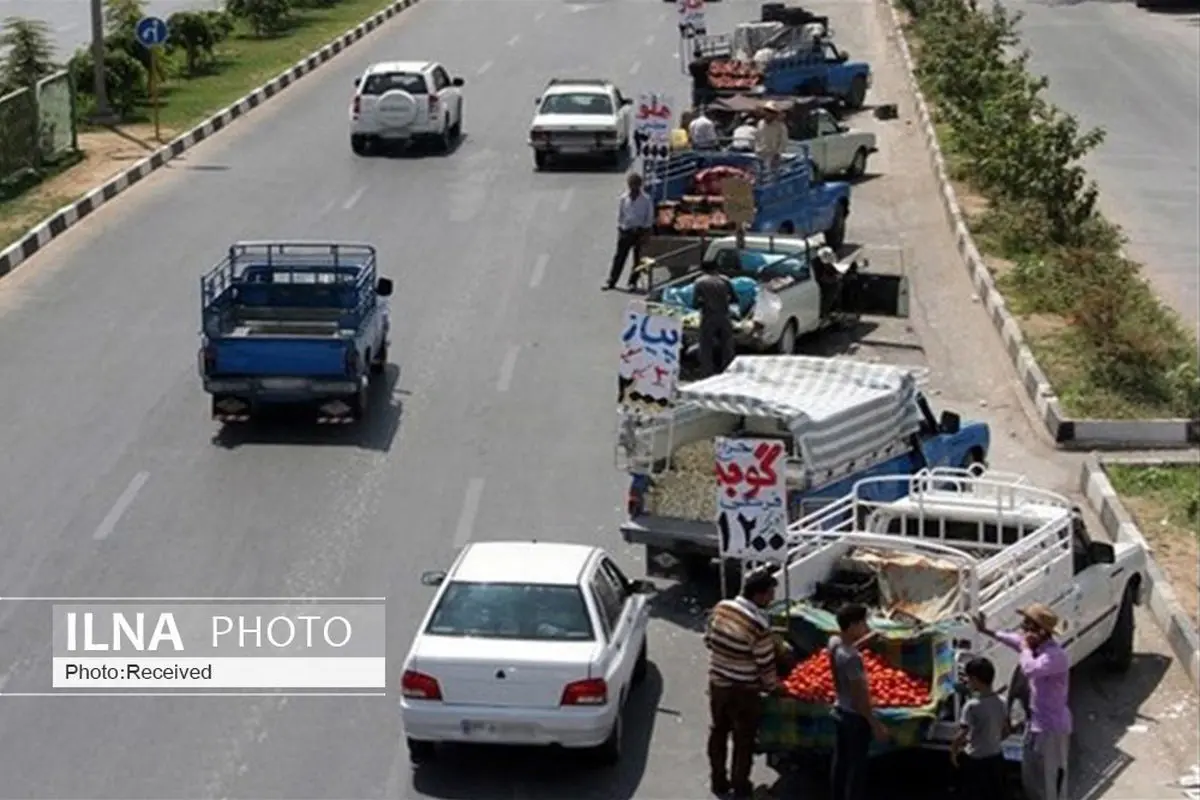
(739, 205)
(152, 33)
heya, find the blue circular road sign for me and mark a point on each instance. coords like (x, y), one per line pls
(151, 31)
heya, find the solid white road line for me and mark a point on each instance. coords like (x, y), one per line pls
(470, 509)
(109, 523)
(507, 366)
(539, 270)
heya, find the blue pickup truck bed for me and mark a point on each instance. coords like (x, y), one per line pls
(293, 323)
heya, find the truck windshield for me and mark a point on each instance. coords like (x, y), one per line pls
(384, 82)
(533, 612)
(587, 103)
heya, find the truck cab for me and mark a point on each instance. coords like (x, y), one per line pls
(293, 323)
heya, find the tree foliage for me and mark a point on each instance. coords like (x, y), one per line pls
(194, 34)
(265, 17)
(28, 54)
(125, 78)
(1024, 154)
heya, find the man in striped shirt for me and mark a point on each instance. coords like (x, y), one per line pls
(741, 668)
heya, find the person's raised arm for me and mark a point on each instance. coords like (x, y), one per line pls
(1014, 641)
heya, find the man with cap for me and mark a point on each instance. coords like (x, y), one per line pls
(1047, 669)
(741, 668)
(772, 139)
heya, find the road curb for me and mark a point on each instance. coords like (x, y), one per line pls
(1157, 593)
(1067, 432)
(60, 221)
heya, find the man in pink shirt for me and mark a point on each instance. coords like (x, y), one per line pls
(1047, 668)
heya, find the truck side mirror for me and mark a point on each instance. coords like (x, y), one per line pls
(457, 82)
(950, 423)
(1101, 553)
(625, 101)
(357, 81)
(383, 287)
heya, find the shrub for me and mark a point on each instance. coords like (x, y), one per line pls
(265, 17)
(124, 77)
(193, 33)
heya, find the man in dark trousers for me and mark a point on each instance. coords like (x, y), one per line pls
(713, 295)
(852, 711)
(635, 218)
(741, 668)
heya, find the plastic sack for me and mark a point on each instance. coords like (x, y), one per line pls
(768, 308)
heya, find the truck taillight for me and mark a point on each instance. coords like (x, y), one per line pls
(419, 686)
(352, 361)
(590, 692)
(208, 359)
(356, 108)
(433, 104)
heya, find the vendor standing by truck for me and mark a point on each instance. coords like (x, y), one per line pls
(772, 139)
(714, 294)
(741, 668)
(852, 711)
(635, 218)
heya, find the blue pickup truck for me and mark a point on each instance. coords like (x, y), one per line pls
(823, 71)
(293, 323)
(789, 201)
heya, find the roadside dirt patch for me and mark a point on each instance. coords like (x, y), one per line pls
(106, 153)
(1174, 548)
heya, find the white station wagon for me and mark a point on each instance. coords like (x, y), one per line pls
(526, 643)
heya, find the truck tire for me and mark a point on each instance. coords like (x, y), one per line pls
(1117, 652)
(858, 92)
(858, 165)
(359, 403)
(786, 346)
(835, 236)
(379, 364)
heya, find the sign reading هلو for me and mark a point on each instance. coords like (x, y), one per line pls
(739, 200)
(652, 122)
(752, 498)
(648, 370)
(144, 647)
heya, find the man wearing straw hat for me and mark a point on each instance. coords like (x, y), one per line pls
(1047, 668)
(772, 139)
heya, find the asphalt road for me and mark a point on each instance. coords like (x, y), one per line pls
(1136, 74)
(504, 382)
(70, 21)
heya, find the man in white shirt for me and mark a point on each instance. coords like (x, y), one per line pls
(744, 135)
(772, 139)
(702, 131)
(635, 218)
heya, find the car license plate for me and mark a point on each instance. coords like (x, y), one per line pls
(284, 384)
(395, 133)
(477, 728)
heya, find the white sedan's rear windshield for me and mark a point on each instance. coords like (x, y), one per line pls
(535, 612)
(384, 82)
(583, 103)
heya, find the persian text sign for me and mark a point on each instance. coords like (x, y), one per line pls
(653, 119)
(648, 370)
(751, 498)
(217, 646)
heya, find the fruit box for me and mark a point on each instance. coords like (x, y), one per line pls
(791, 724)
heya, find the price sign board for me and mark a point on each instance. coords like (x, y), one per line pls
(739, 200)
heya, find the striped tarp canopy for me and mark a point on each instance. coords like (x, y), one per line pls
(839, 410)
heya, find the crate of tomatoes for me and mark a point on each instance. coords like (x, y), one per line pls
(909, 672)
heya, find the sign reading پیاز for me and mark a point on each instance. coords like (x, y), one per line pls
(739, 200)
(751, 498)
(691, 18)
(649, 365)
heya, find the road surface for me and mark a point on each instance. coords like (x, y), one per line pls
(497, 422)
(70, 21)
(1136, 74)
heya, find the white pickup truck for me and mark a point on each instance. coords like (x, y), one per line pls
(960, 543)
(790, 300)
(834, 148)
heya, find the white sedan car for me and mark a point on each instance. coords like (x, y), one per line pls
(581, 117)
(526, 643)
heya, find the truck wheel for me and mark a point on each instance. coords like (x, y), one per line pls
(421, 752)
(787, 342)
(858, 92)
(858, 166)
(1117, 652)
(359, 403)
(380, 362)
(835, 237)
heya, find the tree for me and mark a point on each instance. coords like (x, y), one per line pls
(124, 76)
(29, 55)
(266, 17)
(193, 33)
(121, 16)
